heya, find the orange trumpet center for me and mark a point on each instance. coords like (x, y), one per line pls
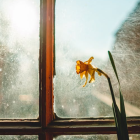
(80, 67)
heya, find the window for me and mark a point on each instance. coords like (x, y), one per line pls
(19, 53)
(48, 125)
(30, 124)
(92, 28)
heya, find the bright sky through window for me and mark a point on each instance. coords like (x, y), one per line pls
(23, 16)
(19, 65)
(91, 24)
(85, 28)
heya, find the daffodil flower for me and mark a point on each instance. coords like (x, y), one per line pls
(85, 68)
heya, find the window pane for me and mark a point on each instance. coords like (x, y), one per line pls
(94, 137)
(19, 53)
(18, 137)
(86, 28)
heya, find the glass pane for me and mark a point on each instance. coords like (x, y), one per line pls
(95, 137)
(18, 137)
(86, 28)
(19, 53)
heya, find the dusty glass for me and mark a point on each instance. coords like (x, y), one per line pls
(19, 53)
(18, 137)
(95, 137)
(85, 28)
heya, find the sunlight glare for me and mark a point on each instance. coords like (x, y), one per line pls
(24, 18)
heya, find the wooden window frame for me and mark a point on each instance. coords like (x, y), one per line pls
(48, 124)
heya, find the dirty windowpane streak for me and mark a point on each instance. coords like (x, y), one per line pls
(18, 137)
(94, 137)
(19, 53)
(86, 28)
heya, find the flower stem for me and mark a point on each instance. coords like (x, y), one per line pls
(109, 82)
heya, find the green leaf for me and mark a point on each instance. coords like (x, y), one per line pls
(123, 117)
(111, 90)
(113, 65)
(116, 122)
(123, 123)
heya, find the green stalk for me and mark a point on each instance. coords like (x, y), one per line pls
(122, 126)
(117, 114)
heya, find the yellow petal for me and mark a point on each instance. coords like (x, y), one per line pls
(91, 71)
(86, 75)
(90, 59)
(92, 79)
(82, 74)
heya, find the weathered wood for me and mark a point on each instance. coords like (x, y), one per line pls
(66, 127)
(20, 122)
(49, 136)
(47, 65)
(90, 126)
(20, 130)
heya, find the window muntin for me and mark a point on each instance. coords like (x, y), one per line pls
(19, 54)
(91, 29)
